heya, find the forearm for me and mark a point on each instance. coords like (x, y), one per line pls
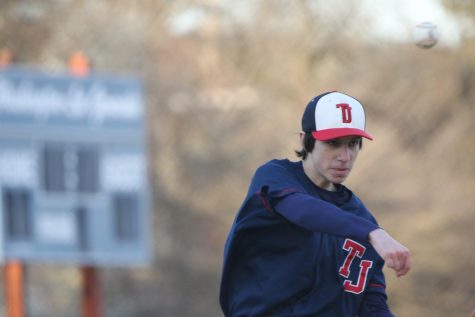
(317, 215)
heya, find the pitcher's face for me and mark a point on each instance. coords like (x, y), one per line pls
(331, 161)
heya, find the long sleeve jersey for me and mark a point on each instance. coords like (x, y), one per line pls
(298, 250)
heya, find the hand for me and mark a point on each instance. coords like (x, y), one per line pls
(396, 256)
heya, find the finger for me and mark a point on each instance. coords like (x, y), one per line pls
(393, 264)
(397, 264)
(407, 263)
(405, 259)
(409, 260)
(403, 272)
(389, 263)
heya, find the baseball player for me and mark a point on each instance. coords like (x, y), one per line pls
(303, 244)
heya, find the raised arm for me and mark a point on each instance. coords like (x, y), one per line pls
(318, 215)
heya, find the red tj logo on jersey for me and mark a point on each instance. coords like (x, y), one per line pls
(355, 250)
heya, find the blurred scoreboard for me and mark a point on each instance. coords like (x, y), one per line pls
(73, 169)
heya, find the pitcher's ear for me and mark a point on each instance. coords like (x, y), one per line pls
(302, 136)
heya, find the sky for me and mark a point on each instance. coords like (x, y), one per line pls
(389, 19)
(395, 19)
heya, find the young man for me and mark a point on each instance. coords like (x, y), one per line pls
(303, 244)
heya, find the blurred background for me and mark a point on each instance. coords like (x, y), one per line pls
(225, 85)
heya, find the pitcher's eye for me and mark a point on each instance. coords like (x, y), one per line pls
(333, 143)
(354, 143)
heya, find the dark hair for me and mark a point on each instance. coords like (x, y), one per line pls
(309, 144)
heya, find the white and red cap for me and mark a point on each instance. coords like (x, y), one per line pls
(334, 115)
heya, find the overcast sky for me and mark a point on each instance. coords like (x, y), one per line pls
(395, 19)
(388, 19)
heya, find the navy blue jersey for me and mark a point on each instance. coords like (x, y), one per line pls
(278, 264)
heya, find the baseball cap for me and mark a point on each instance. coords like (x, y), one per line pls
(333, 115)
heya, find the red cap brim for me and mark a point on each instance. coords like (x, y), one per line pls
(328, 134)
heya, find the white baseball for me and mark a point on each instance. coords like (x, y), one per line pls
(426, 34)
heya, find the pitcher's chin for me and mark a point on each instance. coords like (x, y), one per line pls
(338, 178)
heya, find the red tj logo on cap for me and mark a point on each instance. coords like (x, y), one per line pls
(345, 112)
(333, 115)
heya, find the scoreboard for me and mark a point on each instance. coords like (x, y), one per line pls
(73, 169)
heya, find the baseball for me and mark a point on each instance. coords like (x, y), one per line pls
(425, 35)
